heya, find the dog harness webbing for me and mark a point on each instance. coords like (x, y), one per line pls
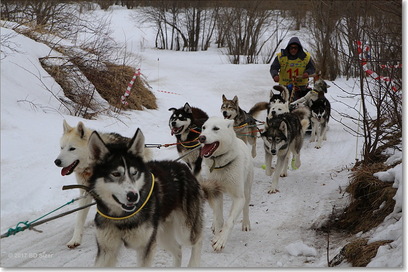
(195, 142)
(138, 210)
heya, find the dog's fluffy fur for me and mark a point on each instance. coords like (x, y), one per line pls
(320, 110)
(185, 123)
(244, 122)
(282, 136)
(278, 103)
(74, 158)
(231, 171)
(320, 118)
(133, 212)
(318, 91)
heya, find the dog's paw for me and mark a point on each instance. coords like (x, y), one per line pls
(218, 242)
(273, 191)
(73, 244)
(246, 226)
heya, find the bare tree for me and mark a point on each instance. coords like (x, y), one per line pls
(376, 58)
(243, 28)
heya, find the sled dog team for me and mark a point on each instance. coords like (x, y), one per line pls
(143, 203)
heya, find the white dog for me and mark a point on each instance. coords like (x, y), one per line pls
(231, 171)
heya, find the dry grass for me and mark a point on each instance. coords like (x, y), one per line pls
(359, 253)
(112, 83)
(372, 200)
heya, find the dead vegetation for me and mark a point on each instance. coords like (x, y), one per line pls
(112, 83)
(371, 202)
(359, 253)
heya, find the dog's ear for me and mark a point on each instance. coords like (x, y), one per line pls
(235, 99)
(187, 108)
(283, 127)
(66, 127)
(97, 148)
(285, 93)
(81, 129)
(172, 109)
(224, 98)
(136, 145)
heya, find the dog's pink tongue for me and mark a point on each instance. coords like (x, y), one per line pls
(64, 171)
(208, 149)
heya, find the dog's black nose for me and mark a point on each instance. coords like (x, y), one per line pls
(202, 138)
(273, 151)
(57, 162)
(224, 113)
(132, 196)
(173, 123)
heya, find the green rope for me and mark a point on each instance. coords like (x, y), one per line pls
(17, 229)
(27, 225)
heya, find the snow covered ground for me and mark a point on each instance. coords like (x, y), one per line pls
(282, 232)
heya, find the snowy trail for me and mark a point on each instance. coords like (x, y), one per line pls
(31, 184)
(277, 220)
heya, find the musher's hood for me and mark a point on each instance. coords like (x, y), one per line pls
(300, 54)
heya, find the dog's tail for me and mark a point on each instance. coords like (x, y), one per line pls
(257, 108)
(303, 113)
(283, 90)
(211, 189)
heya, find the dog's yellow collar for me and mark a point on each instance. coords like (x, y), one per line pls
(138, 210)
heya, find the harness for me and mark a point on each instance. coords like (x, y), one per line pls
(249, 122)
(219, 167)
(192, 143)
(132, 214)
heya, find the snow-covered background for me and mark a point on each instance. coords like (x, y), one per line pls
(282, 232)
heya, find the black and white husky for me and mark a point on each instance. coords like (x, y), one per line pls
(320, 118)
(283, 135)
(74, 158)
(185, 123)
(141, 204)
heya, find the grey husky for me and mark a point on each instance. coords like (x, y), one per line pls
(143, 204)
(244, 122)
(283, 134)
